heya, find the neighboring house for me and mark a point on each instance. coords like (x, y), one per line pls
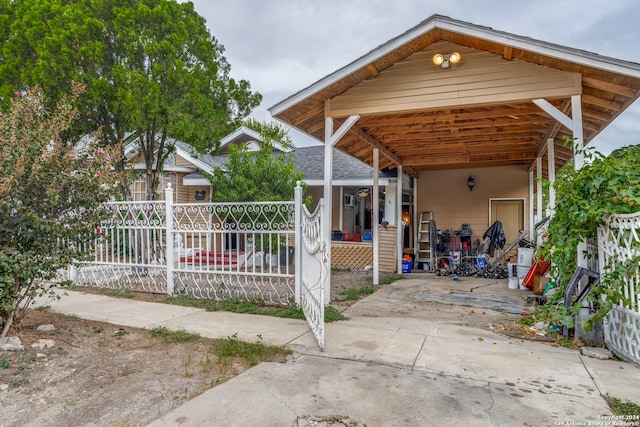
(185, 169)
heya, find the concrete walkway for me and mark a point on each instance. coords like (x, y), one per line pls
(406, 357)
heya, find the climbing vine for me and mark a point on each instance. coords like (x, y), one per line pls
(607, 185)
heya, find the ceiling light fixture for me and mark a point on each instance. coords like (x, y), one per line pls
(444, 60)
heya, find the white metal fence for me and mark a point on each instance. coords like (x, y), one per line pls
(206, 250)
(619, 243)
(260, 251)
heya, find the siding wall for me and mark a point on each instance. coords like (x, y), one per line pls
(479, 78)
(446, 194)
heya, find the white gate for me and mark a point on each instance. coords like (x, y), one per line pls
(619, 242)
(312, 266)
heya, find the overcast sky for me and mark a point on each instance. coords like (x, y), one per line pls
(283, 46)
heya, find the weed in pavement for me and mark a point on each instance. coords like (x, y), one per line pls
(253, 353)
(173, 336)
(624, 408)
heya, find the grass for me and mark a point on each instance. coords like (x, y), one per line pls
(358, 292)
(387, 280)
(119, 292)
(260, 307)
(5, 362)
(250, 307)
(354, 294)
(624, 408)
(170, 336)
(231, 348)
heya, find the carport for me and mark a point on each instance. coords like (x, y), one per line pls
(449, 97)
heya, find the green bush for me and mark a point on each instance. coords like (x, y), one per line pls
(605, 186)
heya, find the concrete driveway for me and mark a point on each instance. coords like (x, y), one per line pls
(420, 352)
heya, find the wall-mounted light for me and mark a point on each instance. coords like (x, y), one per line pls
(445, 59)
(471, 183)
(363, 192)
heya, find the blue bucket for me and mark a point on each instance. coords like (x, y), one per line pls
(406, 267)
(481, 261)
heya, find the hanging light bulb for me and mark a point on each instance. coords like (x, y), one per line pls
(438, 59)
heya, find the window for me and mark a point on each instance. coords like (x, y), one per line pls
(170, 160)
(253, 146)
(140, 187)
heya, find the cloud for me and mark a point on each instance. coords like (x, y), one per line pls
(283, 46)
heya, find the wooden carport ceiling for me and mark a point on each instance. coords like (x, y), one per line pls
(467, 136)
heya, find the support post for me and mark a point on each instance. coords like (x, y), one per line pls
(399, 229)
(578, 138)
(328, 198)
(297, 206)
(375, 229)
(532, 221)
(539, 210)
(169, 246)
(551, 166)
(330, 140)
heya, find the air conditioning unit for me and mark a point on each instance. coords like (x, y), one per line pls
(349, 201)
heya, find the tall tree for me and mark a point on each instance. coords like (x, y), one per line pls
(151, 68)
(257, 176)
(51, 197)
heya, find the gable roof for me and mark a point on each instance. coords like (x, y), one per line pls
(427, 118)
(310, 161)
(244, 134)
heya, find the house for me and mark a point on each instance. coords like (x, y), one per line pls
(475, 116)
(185, 169)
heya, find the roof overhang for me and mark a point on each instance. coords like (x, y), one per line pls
(479, 113)
(364, 182)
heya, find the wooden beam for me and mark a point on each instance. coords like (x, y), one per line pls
(608, 86)
(508, 53)
(516, 110)
(601, 102)
(373, 70)
(554, 112)
(362, 135)
(308, 114)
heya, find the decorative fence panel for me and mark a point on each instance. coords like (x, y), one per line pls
(234, 250)
(312, 267)
(207, 250)
(619, 243)
(130, 250)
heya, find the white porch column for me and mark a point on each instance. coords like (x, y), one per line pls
(578, 138)
(375, 200)
(341, 208)
(578, 162)
(390, 203)
(551, 166)
(327, 197)
(330, 140)
(532, 221)
(539, 211)
(573, 123)
(414, 220)
(399, 229)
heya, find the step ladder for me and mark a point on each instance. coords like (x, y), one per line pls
(427, 240)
